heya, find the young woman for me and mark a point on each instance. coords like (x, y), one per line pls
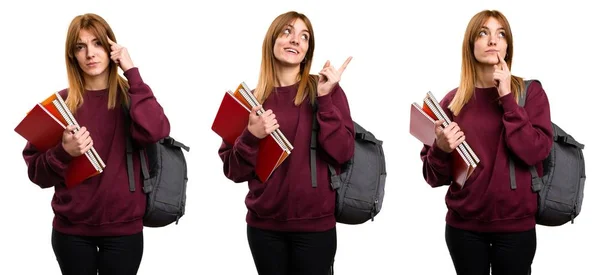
(291, 223)
(98, 223)
(488, 221)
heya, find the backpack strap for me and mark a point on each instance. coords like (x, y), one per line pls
(335, 179)
(129, 152)
(536, 181)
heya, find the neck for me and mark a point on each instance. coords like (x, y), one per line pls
(287, 76)
(95, 83)
(485, 76)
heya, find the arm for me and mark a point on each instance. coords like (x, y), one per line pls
(436, 165)
(46, 169)
(239, 160)
(528, 130)
(336, 128)
(149, 122)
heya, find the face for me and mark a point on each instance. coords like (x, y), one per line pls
(291, 45)
(91, 56)
(490, 41)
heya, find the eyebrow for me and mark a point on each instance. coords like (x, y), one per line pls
(79, 41)
(484, 27)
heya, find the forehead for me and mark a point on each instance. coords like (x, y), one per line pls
(86, 36)
(298, 24)
(492, 23)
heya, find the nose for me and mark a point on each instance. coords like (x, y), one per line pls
(294, 40)
(493, 40)
(90, 53)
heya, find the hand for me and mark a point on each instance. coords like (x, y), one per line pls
(120, 55)
(448, 138)
(329, 76)
(262, 125)
(502, 76)
(76, 144)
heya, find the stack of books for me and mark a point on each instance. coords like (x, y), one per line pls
(422, 119)
(43, 127)
(232, 119)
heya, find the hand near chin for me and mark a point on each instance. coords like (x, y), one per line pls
(502, 77)
(329, 77)
(120, 55)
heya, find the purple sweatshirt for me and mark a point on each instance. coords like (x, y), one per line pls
(287, 201)
(102, 205)
(487, 203)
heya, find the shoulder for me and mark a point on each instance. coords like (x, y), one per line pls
(535, 89)
(64, 92)
(448, 97)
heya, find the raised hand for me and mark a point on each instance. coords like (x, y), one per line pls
(120, 55)
(76, 144)
(448, 138)
(502, 76)
(262, 125)
(329, 77)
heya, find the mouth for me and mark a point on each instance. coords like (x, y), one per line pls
(290, 50)
(92, 64)
(491, 51)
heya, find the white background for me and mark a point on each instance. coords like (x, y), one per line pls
(191, 54)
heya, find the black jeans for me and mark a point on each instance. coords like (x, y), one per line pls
(82, 255)
(292, 253)
(507, 253)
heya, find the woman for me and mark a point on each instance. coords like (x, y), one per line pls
(488, 221)
(291, 224)
(98, 223)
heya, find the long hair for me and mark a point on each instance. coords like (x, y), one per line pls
(468, 72)
(267, 77)
(117, 85)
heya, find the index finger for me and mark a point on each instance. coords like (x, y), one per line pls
(343, 67)
(110, 42)
(501, 61)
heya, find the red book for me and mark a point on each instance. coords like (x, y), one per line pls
(43, 127)
(232, 119)
(422, 126)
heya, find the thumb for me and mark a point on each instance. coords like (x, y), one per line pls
(326, 64)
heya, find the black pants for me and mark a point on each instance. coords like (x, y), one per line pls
(292, 253)
(81, 255)
(507, 253)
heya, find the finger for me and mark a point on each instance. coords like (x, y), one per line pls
(343, 67)
(330, 76)
(502, 61)
(85, 135)
(326, 64)
(110, 42)
(87, 147)
(80, 132)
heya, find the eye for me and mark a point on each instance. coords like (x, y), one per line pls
(305, 37)
(98, 43)
(482, 33)
(287, 32)
(79, 47)
(502, 34)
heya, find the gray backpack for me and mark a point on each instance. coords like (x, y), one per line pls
(560, 189)
(165, 179)
(360, 185)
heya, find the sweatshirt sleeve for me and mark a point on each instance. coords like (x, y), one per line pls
(336, 128)
(528, 129)
(46, 169)
(149, 122)
(239, 159)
